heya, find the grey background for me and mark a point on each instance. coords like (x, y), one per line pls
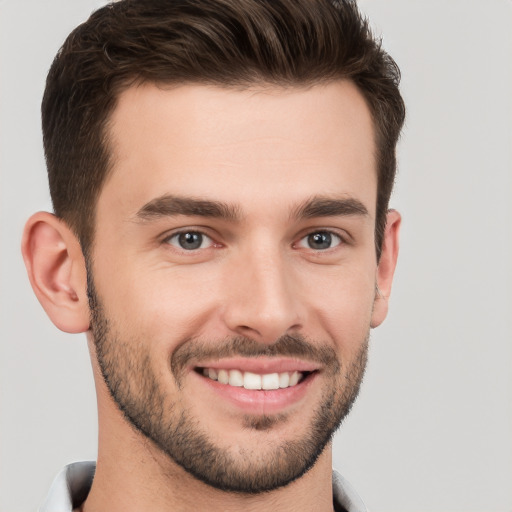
(432, 430)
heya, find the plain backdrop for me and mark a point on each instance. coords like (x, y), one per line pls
(432, 430)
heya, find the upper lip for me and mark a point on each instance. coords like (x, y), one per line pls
(261, 365)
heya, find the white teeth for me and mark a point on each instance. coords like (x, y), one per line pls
(236, 378)
(223, 377)
(270, 381)
(294, 378)
(284, 380)
(250, 380)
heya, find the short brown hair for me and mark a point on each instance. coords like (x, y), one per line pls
(217, 42)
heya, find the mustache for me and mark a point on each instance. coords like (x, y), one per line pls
(298, 346)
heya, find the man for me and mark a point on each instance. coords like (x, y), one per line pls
(220, 172)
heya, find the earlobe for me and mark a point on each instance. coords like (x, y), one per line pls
(386, 267)
(56, 269)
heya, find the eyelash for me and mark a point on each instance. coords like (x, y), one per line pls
(167, 240)
(326, 233)
(341, 240)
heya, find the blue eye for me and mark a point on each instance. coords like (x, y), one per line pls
(190, 240)
(320, 240)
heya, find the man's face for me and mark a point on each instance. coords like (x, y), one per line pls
(234, 249)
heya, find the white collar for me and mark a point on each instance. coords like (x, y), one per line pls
(72, 484)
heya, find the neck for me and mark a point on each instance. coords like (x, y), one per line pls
(133, 475)
(128, 490)
(125, 481)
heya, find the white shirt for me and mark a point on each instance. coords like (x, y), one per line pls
(72, 484)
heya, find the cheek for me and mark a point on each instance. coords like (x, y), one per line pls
(345, 307)
(165, 305)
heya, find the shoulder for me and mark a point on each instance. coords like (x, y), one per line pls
(345, 496)
(70, 487)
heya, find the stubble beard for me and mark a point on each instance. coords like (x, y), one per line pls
(127, 370)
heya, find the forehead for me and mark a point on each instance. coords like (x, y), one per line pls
(248, 146)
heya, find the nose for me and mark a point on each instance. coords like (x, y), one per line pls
(263, 301)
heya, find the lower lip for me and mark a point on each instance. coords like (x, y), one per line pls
(260, 401)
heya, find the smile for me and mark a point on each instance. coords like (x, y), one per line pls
(254, 381)
(257, 385)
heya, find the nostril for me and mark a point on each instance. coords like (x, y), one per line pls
(248, 331)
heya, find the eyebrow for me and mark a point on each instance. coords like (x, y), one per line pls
(169, 206)
(319, 206)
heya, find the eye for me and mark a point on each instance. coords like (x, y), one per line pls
(190, 240)
(320, 240)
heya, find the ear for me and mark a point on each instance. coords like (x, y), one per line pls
(57, 273)
(386, 267)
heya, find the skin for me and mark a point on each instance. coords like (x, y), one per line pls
(264, 152)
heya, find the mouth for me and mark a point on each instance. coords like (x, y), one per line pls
(256, 385)
(254, 381)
